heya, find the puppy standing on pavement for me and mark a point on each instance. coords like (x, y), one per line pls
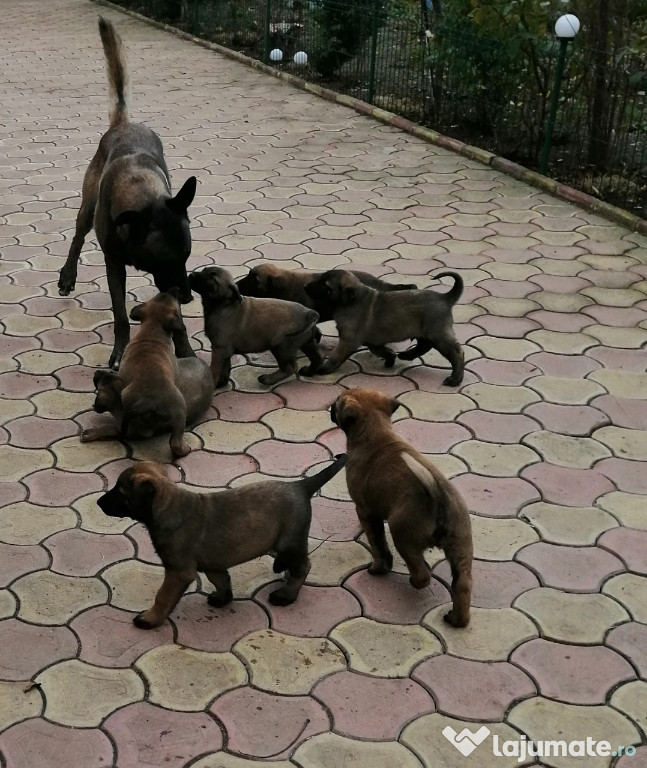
(389, 480)
(271, 282)
(236, 324)
(127, 197)
(211, 532)
(153, 391)
(368, 317)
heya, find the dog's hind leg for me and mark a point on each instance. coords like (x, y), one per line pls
(222, 594)
(287, 366)
(179, 446)
(381, 350)
(452, 351)
(409, 545)
(459, 615)
(314, 354)
(84, 222)
(297, 564)
(172, 589)
(382, 558)
(422, 347)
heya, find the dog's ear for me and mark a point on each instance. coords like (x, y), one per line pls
(181, 202)
(173, 322)
(99, 376)
(234, 293)
(107, 378)
(137, 313)
(344, 415)
(133, 226)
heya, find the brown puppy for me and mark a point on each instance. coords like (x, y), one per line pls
(389, 480)
(368, 317)
(236, 325)
(272, 282)
(211, 532)
(148, 395)
(127, 197)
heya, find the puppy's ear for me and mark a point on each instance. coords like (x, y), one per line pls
(345, 415)
(173, 322)
(137, 313)
(107, 379)
(99, 376)
(181, 202)
(234, 293)
(133, 226)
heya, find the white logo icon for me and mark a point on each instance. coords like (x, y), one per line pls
(466, 741)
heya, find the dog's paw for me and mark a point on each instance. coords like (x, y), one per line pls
(454, 620)
(66, 285)
(420, 582)
(141, 622)
(309, 370)
(389, 360)
(219, 600)
(453, 381)
(408, 354)
(279, 566)
(115, 359)
(178, 451)
(379, 569)
(281, 597)
(87, 435)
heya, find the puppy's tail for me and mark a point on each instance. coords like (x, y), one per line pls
(314, 483)
(118, 80)
(456, 291)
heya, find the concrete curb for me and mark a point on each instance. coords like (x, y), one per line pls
(546, 184)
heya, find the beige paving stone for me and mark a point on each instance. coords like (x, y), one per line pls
(564, 391)
(543, 719)
(8, 607)
(565, 450)
(84, 319)
(330, 749)
(337, 487)
(424, 737)
(15, 294)
(94, 355)
(18, 702)
(449, 465)
(14, 409)
(51, 598)
(549, 237)
(224, 760)
(463, 313)
(384, 650)
(561, 302)
(630, 590)
(82, 695)
(243, 242)
(29, 325)
(611, 263)
(492, 397)
(495, 459)
(26, 523)
(8, 364)
(134, 584)
(602, 233)
(573, 526)
(334, 561)
(614, 297)
(631, 384)
(74, 456)
(329, 232)
(562, 343)
(16, 463)
(297, 426)
(230, 437)
(496, 348)
(185, 680)
(507, 243)
(558, 266)
(582, 619)
(623, 338)
(628, 508)
(322, 261)
(430, 406)
(57, 404)
(625, 443)
(507, 307)
(500, 538)
(492, 634)
(516, 272)
(41, 362)
(247, 578)
(93, 519)
(286, 664)
(631, 700)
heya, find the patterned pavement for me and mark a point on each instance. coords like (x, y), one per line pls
(545, 438)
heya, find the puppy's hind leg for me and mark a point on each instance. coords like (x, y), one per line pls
(422, 347)
(388, 355)
(297, 563)
(451, 350)
(382, 558)
(314, 354)
(179, 446)
(222, 594)
(459, 615)
(287, 366)
(411, 548)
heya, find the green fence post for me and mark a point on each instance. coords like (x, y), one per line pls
(371, 70)
(266, 35)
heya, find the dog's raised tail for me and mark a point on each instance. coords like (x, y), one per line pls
(315, 482)
(118, 82)
(456, 291)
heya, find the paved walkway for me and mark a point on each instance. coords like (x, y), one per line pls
(543, 438)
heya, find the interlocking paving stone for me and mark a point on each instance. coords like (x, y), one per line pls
(629, 590)
(568, 525)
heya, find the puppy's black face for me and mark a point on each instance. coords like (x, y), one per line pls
(352, 409)
(216, 287)
(250, 285)
(108, 386)
(333, 289)
(132, 496)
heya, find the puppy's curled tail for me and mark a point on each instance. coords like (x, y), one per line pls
(315, 482)
(118, 81)
(456, 291)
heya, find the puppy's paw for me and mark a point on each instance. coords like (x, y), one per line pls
(453, 380)
(419, 582)
(220, 599)
(115, 359)
(380, 569)
(389, 360)
(281, 597)
(455, 620)
(408, 354)
(327, 367)
(86, 436)
(142, 622)
(66, 284)
(183, 449)
(309, 370)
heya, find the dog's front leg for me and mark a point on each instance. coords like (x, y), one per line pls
(84, 220)
(103, 432)
(220, 366)
(222, 594)
(116, 274)
(340, 354)
(172, 589)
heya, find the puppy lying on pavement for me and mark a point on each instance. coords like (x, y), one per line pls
(236, 324)
(389, 480)
(373, 318)
(211, 532)
(153, 392)
(270, 281)
(127, 198)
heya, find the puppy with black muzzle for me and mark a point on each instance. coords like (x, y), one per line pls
(212, 532)
(153, 392)
(127, 198)
(236, 324)
(271, 282)
(390, 481)
(366, 317)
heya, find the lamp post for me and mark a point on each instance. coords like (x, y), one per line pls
(566, 27)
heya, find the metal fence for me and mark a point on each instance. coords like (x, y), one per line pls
(441, 72)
